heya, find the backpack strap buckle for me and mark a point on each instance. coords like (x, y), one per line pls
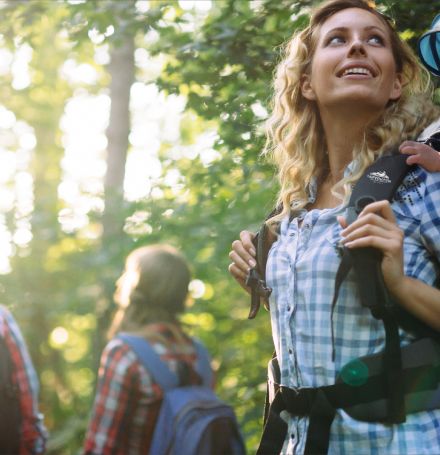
(259, 289)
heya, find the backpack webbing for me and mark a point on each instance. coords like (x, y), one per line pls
(159, 370)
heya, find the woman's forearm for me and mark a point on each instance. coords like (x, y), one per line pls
(420, 299)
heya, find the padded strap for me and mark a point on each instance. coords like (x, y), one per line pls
(256, 278)
(159, 370)
(321, 418)
(203, 364)
(380, 181)
(151, 360)
(275, 428)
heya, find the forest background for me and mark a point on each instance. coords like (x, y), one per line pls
(124, 123)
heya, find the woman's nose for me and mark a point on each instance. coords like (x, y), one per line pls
(357, 47)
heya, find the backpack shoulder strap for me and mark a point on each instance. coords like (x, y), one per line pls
(203, 364)
(256, 278)
(151, 360)
(380, 181)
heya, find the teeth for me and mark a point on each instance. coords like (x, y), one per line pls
(357, 70)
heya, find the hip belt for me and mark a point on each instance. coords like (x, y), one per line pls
(361, 390)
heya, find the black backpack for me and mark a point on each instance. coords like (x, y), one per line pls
(388, 389)
(10, 415)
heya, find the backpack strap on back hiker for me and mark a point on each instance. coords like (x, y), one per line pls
(151, 360)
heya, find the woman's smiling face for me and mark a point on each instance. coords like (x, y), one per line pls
(353, 63)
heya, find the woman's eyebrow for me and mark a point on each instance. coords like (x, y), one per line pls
(345, 29)
(375, 27)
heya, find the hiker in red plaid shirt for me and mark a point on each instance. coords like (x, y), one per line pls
(151, 294)
(33, 434)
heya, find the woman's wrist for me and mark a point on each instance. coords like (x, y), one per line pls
(401, 289)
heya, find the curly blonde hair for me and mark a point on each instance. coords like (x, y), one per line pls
(295, 136)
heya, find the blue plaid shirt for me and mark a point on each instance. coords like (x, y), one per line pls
(301, 270)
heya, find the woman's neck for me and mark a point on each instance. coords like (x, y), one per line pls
(342, 133)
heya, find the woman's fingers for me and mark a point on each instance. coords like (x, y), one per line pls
(389, 244)
(369, 230)
(238, 275)
(378, 213)
(409, 147)
(246, 238)
(382, 208)
(242, 256)
(242, 260)
(376, 227)
(421, 154)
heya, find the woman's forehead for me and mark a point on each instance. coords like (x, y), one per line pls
(352, 18)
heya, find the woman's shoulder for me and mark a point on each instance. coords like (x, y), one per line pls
(420, 180)
(418, 190)
(117, 355)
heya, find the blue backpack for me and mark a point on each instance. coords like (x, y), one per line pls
(192, 419)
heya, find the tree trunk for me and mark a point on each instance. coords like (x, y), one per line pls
(121, 69)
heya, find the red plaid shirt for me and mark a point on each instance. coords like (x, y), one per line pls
(33, 433)
(127, 400)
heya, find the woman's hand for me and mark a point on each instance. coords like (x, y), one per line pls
(376, 227)
(422, 155)
(243, 258)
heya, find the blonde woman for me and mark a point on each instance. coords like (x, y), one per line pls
(347, 91)
(151, 294)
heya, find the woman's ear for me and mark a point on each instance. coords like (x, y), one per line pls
(306, 88)
(396, 91)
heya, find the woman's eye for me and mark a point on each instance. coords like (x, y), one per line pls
(336, 40)
(376, 39)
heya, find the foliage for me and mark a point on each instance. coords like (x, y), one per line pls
(213, 183)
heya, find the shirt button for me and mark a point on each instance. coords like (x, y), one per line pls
(288, 308)
(290, 351)
(292, 436)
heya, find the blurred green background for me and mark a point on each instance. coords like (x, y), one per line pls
(124, 123)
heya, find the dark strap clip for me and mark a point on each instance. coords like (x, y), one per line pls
(298, 400)
(259, 290)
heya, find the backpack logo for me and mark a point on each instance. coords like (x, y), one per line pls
(379, 177)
